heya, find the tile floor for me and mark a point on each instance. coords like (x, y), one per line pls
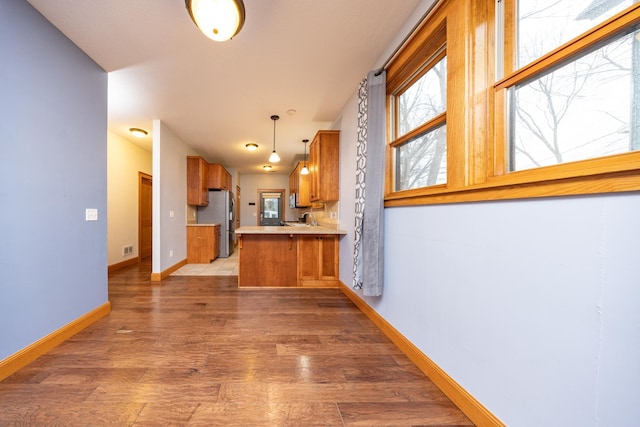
(219, 267)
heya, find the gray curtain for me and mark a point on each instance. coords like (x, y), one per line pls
(368, 271)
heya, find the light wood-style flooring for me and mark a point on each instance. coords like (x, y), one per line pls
(198, 351)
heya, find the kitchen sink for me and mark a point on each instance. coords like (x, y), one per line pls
(296, 224)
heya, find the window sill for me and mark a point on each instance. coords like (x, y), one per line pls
(508, 189)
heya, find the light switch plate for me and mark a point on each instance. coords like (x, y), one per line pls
(91, 214)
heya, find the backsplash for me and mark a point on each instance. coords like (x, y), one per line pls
(327, 215)
(192, 214)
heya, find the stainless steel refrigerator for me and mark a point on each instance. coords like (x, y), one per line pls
(220, 211)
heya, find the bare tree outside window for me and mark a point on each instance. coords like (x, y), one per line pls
(422, 161)
(583, 109)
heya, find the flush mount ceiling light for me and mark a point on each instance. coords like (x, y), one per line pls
(220, 20)
(267, 167)
(305, 169)
(251, 147)
(274, 158)
(138, 133)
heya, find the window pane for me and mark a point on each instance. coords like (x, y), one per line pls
(579, 111)
(422, 161)
(424, 100)
(543, 25)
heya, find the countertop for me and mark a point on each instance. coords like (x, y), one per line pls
(288, 230)
(202, 225)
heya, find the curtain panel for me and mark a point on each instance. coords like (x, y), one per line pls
(368, 265)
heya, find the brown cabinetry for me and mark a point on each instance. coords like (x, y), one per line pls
(299, 187)
(267, 260)
(318, 260)
(324, 166)
(203, 243)
(197, 181)
(219, 177)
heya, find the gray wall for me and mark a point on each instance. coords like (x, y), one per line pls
(530, 305)
(53, 149)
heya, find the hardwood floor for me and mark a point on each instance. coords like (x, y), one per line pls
(198, 351)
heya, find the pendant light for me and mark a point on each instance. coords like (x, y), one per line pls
(220, 20)
(305, 169)
(274, 158)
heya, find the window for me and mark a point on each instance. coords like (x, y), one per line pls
(421, 149)
(515, 99)
(419, 115)
(581, 109)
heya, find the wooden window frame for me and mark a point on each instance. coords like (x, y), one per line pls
(477, 110)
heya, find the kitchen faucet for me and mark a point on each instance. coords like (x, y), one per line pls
(313, 220)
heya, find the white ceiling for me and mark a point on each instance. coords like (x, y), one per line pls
(305, 55)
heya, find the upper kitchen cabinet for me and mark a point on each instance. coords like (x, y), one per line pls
(219, 177)
(324, 166)
(197, 181)
(299, 187)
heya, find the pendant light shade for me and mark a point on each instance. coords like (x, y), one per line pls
(305, 169)
(220, 20)
(274, 158)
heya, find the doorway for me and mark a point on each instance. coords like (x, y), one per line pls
(271, 207)
(145, 214)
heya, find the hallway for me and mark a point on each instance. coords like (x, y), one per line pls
(198, 351)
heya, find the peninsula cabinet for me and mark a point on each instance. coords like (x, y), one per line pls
(197, 181)
(299, 187)
(289, 256)
(318, 260)
(203, 243)
(267, 260)
(324, 166)
(219, 177)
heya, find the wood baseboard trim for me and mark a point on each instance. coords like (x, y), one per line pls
(120, 265)
(469, 405)
(158, 277)
(30, 353)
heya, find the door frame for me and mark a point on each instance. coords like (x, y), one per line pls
(142, 177)
(259, 204)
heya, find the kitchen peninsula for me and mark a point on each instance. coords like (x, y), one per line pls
(288, 256)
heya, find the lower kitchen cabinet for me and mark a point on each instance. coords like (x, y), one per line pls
(203, 243)
(318, 260)
(267, 260)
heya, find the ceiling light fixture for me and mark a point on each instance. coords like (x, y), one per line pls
(138, 133)
(220, 20)
(267, 167)
(274, 158)
(252, 147)
(305, 169)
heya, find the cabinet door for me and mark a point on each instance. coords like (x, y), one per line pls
(318, 262)
(329, 258)
(215, 176)
(267, 260)
(219, 177)
(197, 181)
(293, 182)
(324, 161)
(200, 244)
(228, 185)
(314, 172)
(308, 256)
(303, 200)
